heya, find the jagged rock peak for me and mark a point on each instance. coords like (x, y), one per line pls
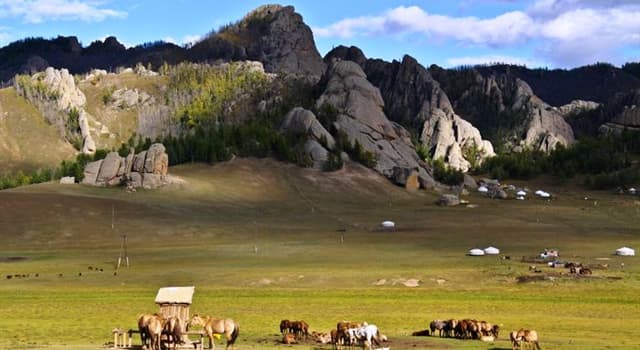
(278, 37)
(361, 118)
(352, 53)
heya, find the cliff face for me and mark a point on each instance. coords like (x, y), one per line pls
(415, 100)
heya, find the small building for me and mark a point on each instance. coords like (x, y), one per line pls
(175, 301)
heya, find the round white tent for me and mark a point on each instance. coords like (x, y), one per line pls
(625, 251)
(483, 189)
(521, 193)
(476, 252)
(388, 224)
(491, 250)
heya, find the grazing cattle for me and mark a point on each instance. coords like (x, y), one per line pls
(173, 330)
(212, 326)
(437, 325)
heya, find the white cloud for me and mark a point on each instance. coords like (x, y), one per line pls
(510, 27)
(191, 39)
(491, 59)
(37, 11)
(593, 30)
(169, 39)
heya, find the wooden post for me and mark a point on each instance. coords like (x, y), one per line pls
(115, 338)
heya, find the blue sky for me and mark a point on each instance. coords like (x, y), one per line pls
(548, 33)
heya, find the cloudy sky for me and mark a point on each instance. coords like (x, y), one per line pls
(547, 33)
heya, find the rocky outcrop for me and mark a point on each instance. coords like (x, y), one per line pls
(577, 106)
(454, 139)
(147, 169)
(55, 93)
(303, 121)
(278, 37)
(415, 100)
(448, 200)
(505, 108)
(361, 118)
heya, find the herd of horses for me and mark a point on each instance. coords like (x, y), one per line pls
(346, 334)
(482, 330)
(153, 327)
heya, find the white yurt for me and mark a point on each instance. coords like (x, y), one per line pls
(483, 189)
(491, 250)
(625, 251)
(521, 193)
(476, 252)
(388, 224)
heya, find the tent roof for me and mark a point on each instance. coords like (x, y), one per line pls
(175, 295)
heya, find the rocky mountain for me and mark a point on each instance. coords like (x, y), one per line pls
(362, 119)
(415, 100)
(385, 112)
(272, 34)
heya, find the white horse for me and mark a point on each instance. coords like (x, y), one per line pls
(367, 334)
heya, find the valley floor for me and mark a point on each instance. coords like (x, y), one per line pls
(262, 241)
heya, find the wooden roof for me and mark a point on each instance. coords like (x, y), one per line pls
(175, 295)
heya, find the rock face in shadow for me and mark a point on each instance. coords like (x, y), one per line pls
(362, 120)
(505, 109)
(272, 34)
(147, 169)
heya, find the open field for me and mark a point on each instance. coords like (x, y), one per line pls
(263, 241)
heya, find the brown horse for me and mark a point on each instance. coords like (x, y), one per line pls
(284, 326)
(173, 330)
(143, 323)
(154, 330)
(212, 326)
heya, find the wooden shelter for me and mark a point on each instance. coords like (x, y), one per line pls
(175, 301)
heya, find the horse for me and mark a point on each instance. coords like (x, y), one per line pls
(154, 329)
(530, 337)
(515, 340)
(367, 334)
(143, 322)
(284, 326)
(173, 330)
(212, 326)
(438, 325)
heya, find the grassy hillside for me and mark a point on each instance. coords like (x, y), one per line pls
(27, 141)
(263, 241)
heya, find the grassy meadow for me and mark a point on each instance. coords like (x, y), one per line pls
(262, 241)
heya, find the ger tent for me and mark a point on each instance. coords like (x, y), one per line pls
(476, 252)
(491, 250)
(625, 251)
(388, 224)
(483, 189)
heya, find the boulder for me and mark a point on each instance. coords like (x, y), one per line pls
(152, 181)
(449, 200)
(139, 162)
(91, 171)
(67, 180)
(109, 169)
(155, 162)
(134, 180)
(316, 152)
(128, 163)
(303, 121)
(470, 182)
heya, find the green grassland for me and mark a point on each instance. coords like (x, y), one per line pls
(263, 241)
